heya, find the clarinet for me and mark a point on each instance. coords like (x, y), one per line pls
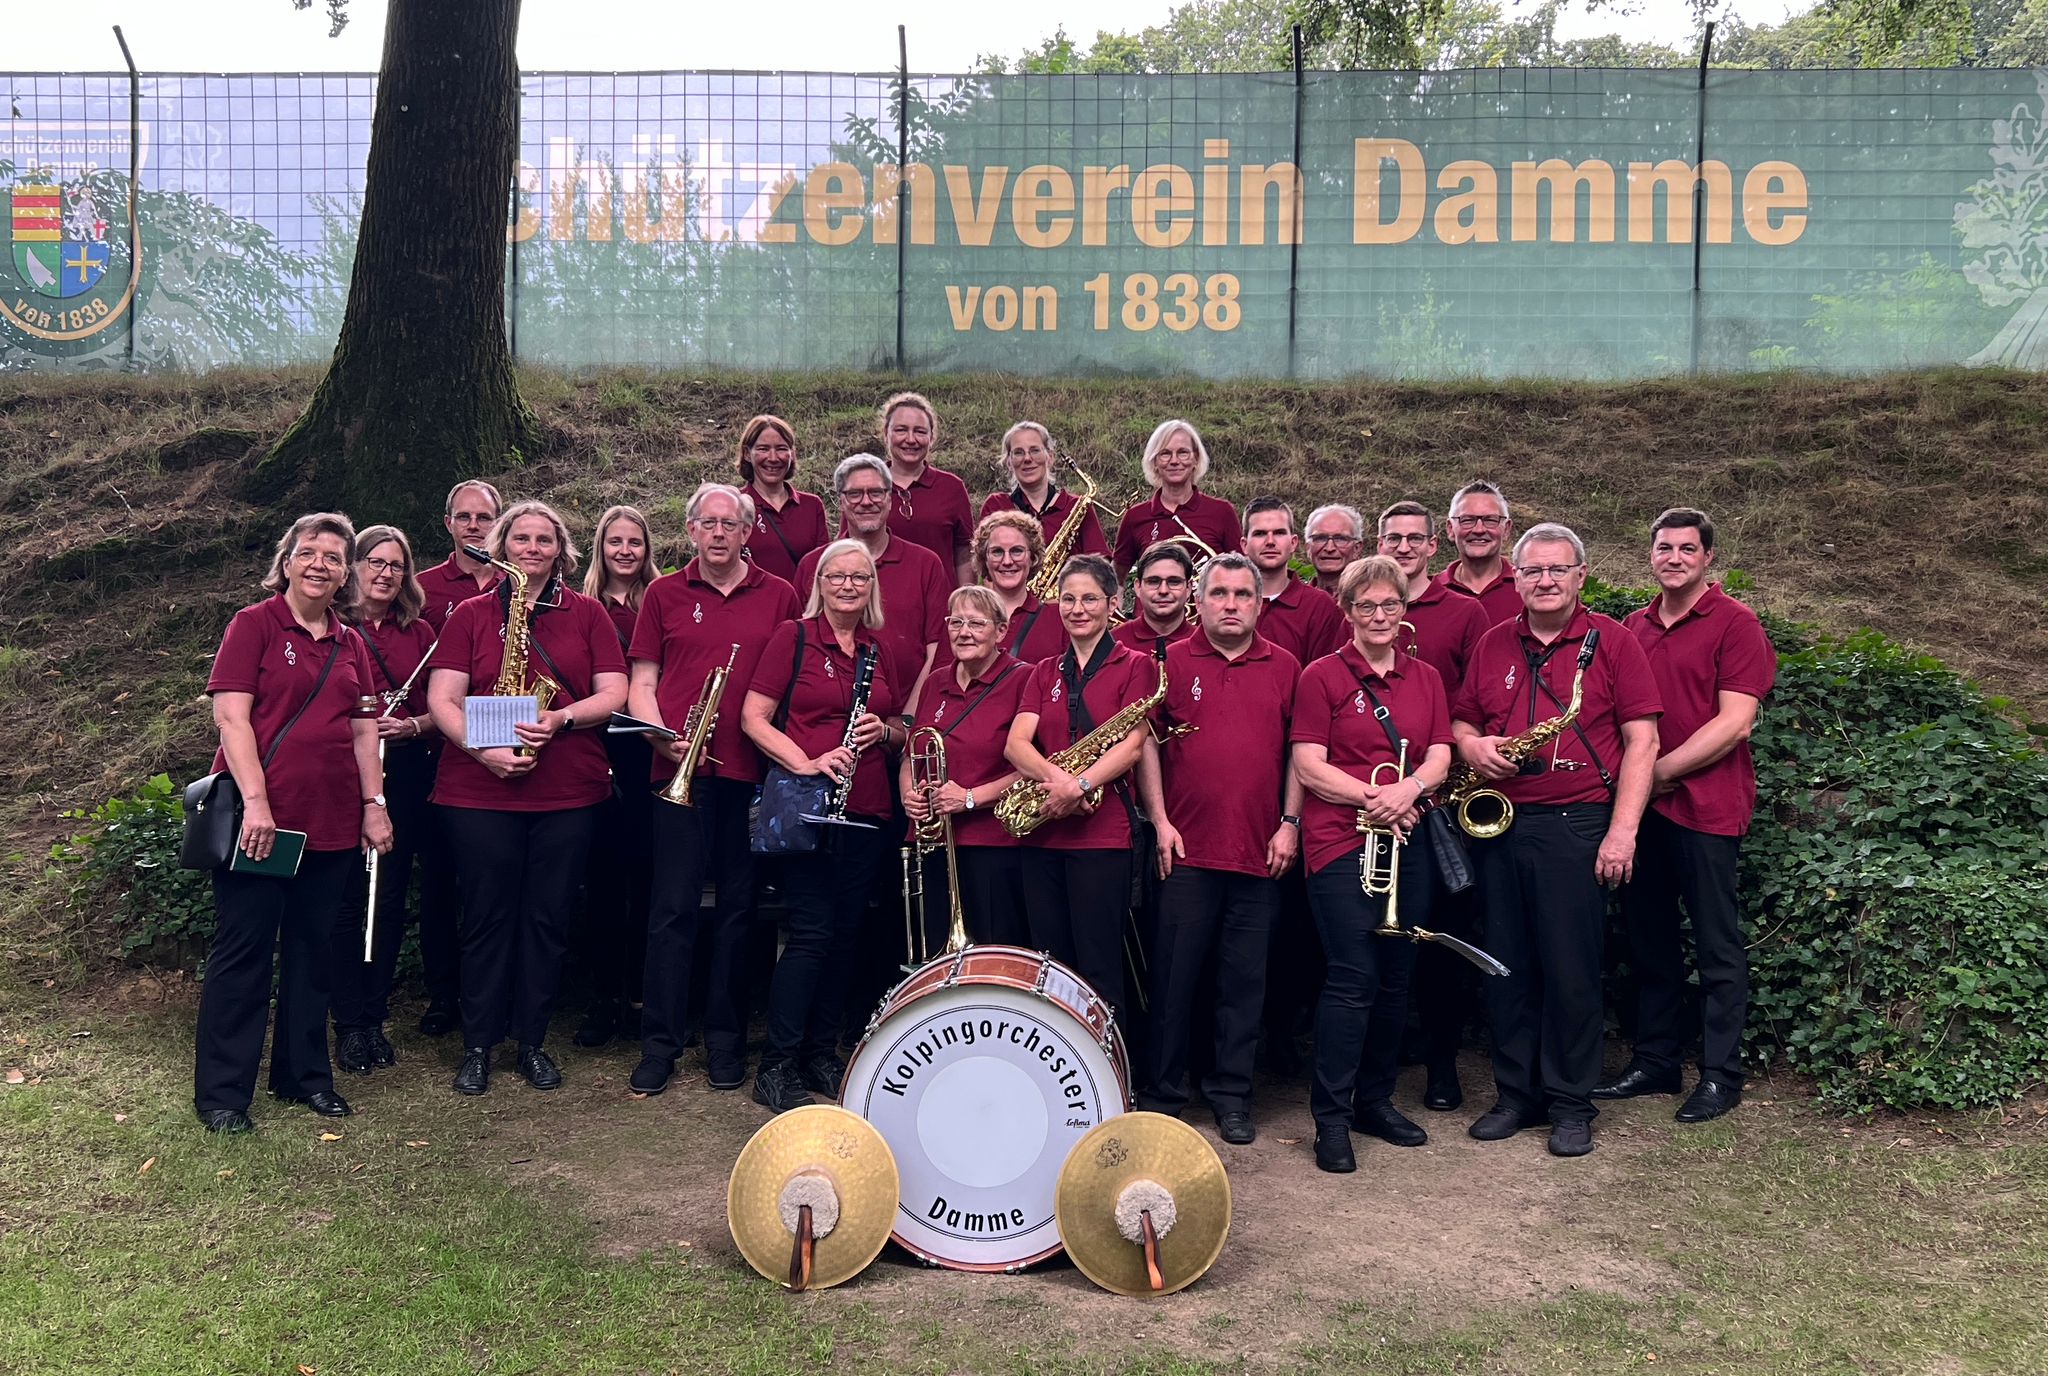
(863, 685)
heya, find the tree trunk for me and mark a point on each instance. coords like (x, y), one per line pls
(421, 393)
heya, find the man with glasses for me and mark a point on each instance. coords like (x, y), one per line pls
(1578, 800)
(1335, 536)
(915, 583)
(1294, 618)
(1164, 574)
(719, 607)
(1714, 664)
(1478, 529)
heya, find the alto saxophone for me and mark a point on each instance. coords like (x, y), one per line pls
(1465, 786)
(1045, 584)
(513, 668)
(696, 733)
(1021, 809)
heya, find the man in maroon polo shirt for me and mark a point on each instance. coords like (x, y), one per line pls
(1294, 617)
(1443, 630)
(1227, 808)
(718, 609)
(471, 509)
(1713, 664)
(1578, 800)
(1479, 528)
(915, 584)
(928, 506)
(1164, 574)
(1335, 536)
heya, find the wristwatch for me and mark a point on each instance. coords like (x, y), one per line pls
(1082, 779)
(970, 800)
(374, 800)
(1292, 819)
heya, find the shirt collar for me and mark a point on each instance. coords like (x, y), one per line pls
(1356, 661)
(1575, 629)
(1200, 644)
(287, 620)
(750, 579)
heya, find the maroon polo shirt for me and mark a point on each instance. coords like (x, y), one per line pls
(1124, 677)
(395, 652)
(1052, 517)
(975, 721)
(1500, 598)
(933, 510)
(1150, 521)
(623, 616)
(688, 629)
(1501, 698)
(313, 785)
(1303, 621)
(1333, 711)
(1138, 636)
(782, 538)
(1225, 781)
(1447, 628)
(820, 699)
(915, 586)
(448, 587)
(1719, 646)
(1035, 631)
(572, 770)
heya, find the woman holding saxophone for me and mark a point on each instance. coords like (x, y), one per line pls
(1008, 555)
(817, 705)
(1371, 738)
(1076, 866)
(1029, 456)
(522, 818)
(712, 617)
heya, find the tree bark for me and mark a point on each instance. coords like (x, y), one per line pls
(421, 392)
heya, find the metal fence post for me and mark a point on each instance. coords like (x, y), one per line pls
(134, 191)
(1300, 210)
(1699, 193)
(902, 179)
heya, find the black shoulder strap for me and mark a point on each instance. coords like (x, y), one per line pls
(993, 685)
(333, 654)
(1585, 659)
(768, 518)
(1379, 710)
(796, 664)
(383, 665)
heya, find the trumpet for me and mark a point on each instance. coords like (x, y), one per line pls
(696, 732)
(1379, 864)
(928, 775)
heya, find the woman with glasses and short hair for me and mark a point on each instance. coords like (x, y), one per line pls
(1174, 463)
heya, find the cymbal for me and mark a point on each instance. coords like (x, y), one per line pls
(1149, 1164)
(826, 1157)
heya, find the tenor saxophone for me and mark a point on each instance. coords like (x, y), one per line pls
(1021, 809)
(1464, 787)
(696, 733)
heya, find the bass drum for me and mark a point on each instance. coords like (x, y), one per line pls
(981, 1071)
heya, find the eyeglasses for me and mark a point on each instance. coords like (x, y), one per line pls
(847, 580)
(384, 565)
(1004, 556)
(1547, 573)
(719, 523)
(1335, 540)
(1085, 600)
(1397, 541)
(864, 496)
(1373, 611)
(1487, 522)
(1162, 584)
(321, 557)
(969, 623)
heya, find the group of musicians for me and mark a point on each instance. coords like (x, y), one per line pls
(1268, 819)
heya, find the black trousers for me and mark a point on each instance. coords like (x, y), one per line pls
(1294, 961)
(1446, 992)
(618, 879)
(1078, 902)
(440, 910)
(1363, 1005)
(1546, 916)
(1209, 921)
(362, 989)
(519, 874)
(707, 840)
(257, 917)
(1676, 865)
(825, 893)
(991, 894)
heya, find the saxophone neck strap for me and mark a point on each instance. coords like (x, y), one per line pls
(1541, 684)
(1380, 714)
(1080, 721)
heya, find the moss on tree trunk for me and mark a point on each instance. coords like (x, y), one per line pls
(421, 390)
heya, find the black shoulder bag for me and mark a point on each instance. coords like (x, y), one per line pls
(213, 805)
(775, 824)
(1446, 847)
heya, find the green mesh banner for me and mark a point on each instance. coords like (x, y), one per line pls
(1576, 223)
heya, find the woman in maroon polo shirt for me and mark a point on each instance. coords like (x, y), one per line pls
(619, 873)
(1174, 463)
(796, 713)
(292, 688)
(1338, 739)
(788, 524)
(1077, 866)
(928, 506)
(970, 705)
(398, 637)
(522, 823)
(1008, 547)
(1028, 456)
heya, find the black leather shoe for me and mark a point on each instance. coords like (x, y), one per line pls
(438, 1021)
(352, 1052)
(1236, 1129)
(1333, 1151)
(1443, 1092)
(779, 1088)
(226, 1120)
(1501, 1122)
(538, 1068)
(1708, 1101)
(1571, 1138)
(475, 1075)
(1635, 1080)
(1389, 1124)
(651, 1075)
(381, 1052)
(823, 1074)
(599, 1025)
(324, 1102)
(727, 1072)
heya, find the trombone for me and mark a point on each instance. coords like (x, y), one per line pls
(927, 753)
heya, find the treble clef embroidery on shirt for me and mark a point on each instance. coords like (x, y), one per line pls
(291, 656)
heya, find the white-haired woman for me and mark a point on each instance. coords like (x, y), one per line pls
(1174, 463)
(1028, 456)
(522, 821)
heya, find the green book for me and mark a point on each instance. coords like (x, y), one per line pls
(282, 862)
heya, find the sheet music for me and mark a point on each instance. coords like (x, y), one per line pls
(487, 722)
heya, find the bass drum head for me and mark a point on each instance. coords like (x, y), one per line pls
(981, 1091)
